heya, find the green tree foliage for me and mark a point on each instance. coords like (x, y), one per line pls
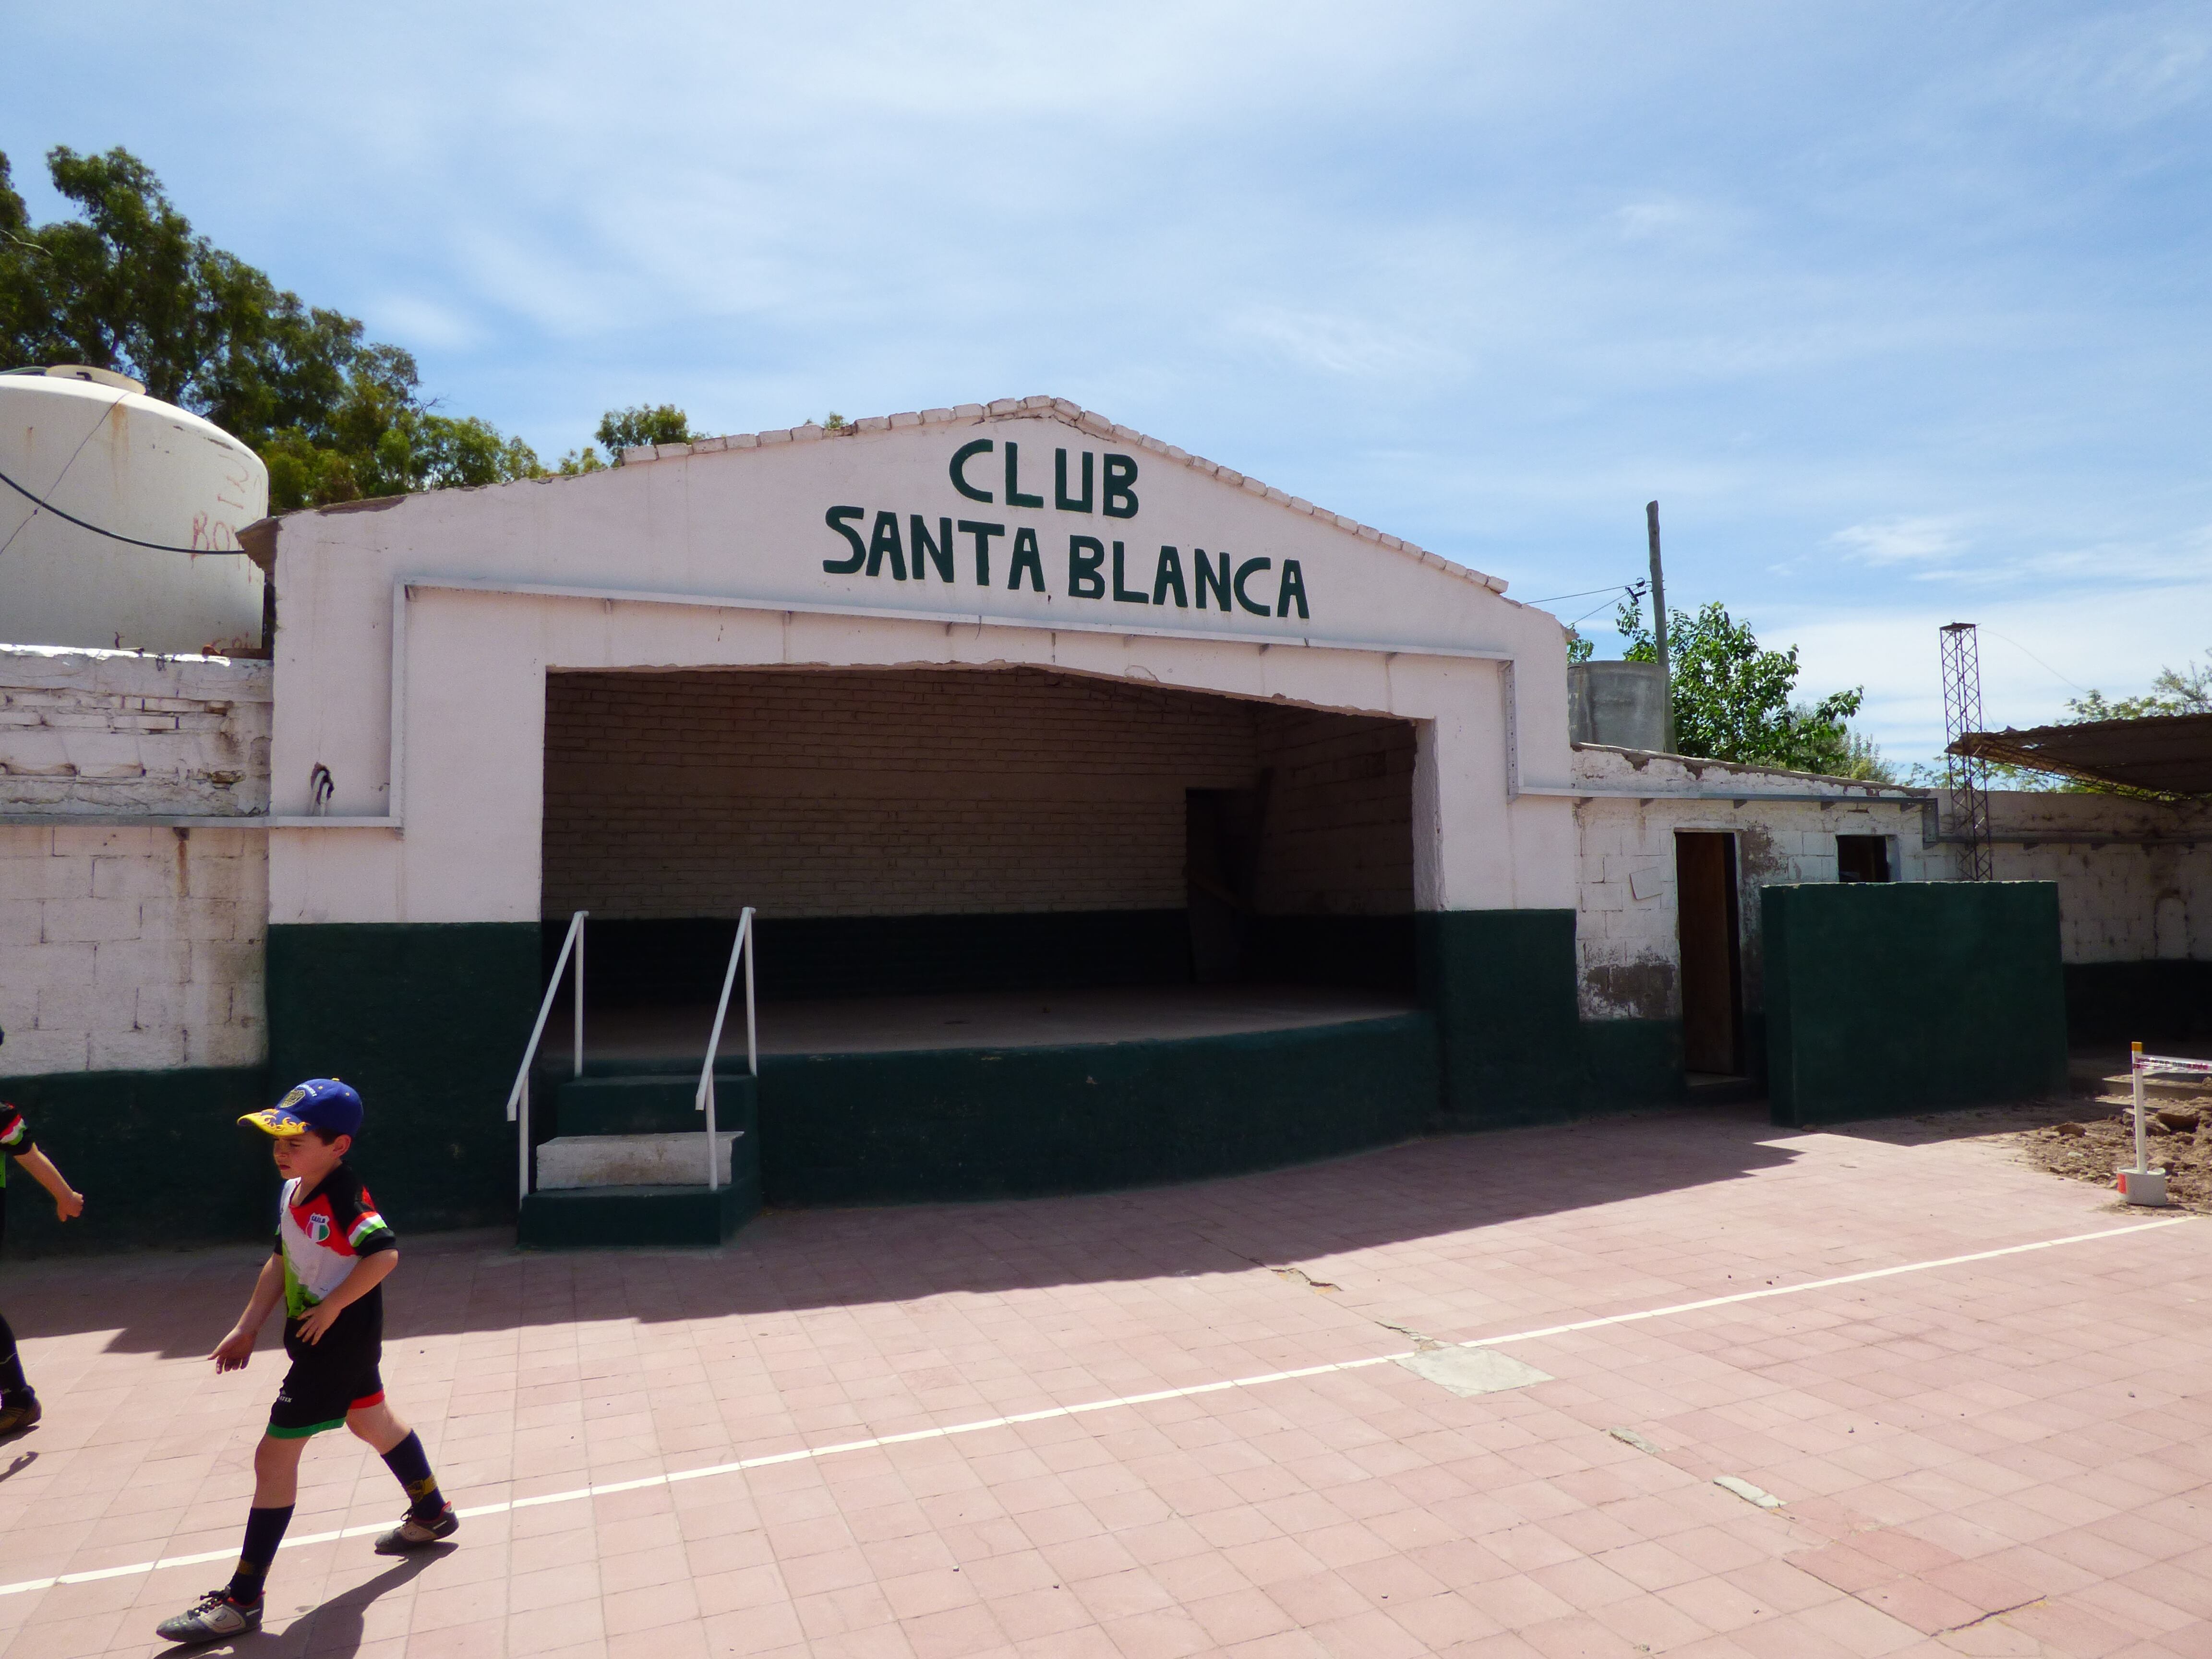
(128, 285)
(2184, 690)
(634, 429)
(1733, 700)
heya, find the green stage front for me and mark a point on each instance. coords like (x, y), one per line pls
(857, 1129)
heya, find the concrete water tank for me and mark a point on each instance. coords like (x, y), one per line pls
(1621, 704)
(89, 445)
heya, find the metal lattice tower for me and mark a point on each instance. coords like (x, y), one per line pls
(1967, 776)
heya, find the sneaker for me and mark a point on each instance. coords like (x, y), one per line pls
(413, 1534)
(215, 1617)
(14, 1419)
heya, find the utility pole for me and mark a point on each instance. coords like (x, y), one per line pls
(1659, 621)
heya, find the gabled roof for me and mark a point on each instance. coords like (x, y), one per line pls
(1083, 420)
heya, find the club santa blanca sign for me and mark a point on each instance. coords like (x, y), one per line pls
(1090, 548)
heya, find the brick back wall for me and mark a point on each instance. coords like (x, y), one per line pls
(911, 793)
(1339, 839)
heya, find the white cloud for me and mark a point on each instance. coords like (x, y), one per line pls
(1904, 541)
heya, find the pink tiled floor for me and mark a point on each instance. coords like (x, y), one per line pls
(2004, 1457)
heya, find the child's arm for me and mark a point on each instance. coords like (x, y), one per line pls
(367, 1274)
(235, 1350)
(68, 1201)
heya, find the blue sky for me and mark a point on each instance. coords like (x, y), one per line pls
(1899, 310)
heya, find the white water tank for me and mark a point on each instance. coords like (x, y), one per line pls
(89, 445)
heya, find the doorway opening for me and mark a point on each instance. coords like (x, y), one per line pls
(1708, 929)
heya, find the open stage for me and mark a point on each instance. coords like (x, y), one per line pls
(975, 1020)
(993, 1094)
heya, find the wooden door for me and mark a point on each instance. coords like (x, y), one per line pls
(1706, 925)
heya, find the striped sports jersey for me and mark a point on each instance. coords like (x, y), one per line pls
(322, 1234)
(15, 1139)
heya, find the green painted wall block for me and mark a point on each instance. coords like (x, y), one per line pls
(428, 1020)
(1629, 1064)
(1884, 998)
(1501, 984)
(159, 1156)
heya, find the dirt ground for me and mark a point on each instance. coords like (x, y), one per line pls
(2090, 1136)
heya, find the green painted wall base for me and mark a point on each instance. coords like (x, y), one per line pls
(863, 1128)
(160, 1157)
(1631, 1063)
(1884, 998)
(1501, 985)
(2112, 1003)
(428, 1022)
(593, 1218)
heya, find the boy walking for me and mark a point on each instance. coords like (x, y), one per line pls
(19, 1406)
(333, 1254)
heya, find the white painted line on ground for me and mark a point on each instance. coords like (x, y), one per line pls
(577, 1494)
(1822, 1284)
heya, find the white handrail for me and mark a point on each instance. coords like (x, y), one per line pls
(704, 1101)
(518, 1097)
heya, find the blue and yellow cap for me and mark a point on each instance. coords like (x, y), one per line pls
(324, 1104)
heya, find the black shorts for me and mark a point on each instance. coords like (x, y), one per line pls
(328, 1378)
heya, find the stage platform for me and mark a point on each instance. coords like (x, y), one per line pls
(625, 1038)
(963, 1096)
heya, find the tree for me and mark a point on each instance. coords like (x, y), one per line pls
(2184, 691)
(1732, 699)
(128, 285)
(635, 429)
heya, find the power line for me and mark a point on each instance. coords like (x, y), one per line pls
(1584, 594)
(113, 535)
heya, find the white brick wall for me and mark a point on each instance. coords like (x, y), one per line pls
(2132, 884)
(2118, 902)
(130, 949)
(824, 793)
(113, 732)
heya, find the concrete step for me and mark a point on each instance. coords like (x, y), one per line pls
(582, 1218)
(643, 1103)
(648, 1160)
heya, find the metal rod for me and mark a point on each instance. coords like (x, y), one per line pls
(544, 1009)
(752, 953)
(518, 1097)
(703, 1100)
(713, 1165)
(2136, 1065)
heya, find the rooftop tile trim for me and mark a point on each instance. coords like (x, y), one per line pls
(1083, 420)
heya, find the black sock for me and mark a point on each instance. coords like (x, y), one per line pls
(264, 1530)
(410, 1465)
(14, 1390)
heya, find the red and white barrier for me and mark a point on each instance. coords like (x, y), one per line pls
(2143, 1184)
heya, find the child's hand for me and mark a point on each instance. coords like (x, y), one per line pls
(70, 1205)
(317, 1320)
(233, 1351)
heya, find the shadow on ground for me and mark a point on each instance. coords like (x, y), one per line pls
(180, 1304)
